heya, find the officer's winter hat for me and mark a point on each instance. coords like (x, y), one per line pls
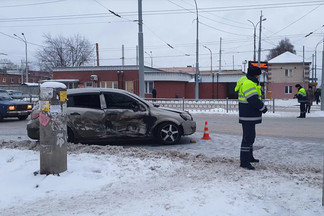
(254, 71)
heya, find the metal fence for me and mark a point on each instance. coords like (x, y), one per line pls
(228, 105)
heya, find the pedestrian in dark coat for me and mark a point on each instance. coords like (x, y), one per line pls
(310, 98)
(317, 95)
(154, 93)
(251, 108)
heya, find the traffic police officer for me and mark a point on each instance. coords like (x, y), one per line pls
(251, 108)
(302, 99)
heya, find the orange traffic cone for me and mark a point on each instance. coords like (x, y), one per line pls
(206, 134)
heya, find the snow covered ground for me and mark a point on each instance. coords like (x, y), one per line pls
(147, 180)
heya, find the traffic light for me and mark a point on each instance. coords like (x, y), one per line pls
(263, 65)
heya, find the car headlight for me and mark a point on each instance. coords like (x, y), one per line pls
(186, 116)
(12, 108)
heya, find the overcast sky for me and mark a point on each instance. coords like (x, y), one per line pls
(169, 28)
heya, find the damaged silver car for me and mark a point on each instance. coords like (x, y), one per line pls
(101, 114)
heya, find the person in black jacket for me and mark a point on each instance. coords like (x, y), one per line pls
(317, 95)
(154, 93)
(251, 108)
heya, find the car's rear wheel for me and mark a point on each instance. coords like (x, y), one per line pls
(168, 133)
(23, 117)
(70, 134)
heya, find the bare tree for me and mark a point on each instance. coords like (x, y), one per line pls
(284, 45)
(64, 52)
(7, 64)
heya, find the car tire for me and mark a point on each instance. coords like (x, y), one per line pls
(70, 135)
(23, 117)
(168, 133)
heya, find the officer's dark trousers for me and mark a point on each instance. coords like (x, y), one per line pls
(246, 153)
(302, 107)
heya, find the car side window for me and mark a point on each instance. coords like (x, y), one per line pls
(84, 101)
(120, 101)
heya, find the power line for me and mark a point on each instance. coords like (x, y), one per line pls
(162, 12)
(32, 4)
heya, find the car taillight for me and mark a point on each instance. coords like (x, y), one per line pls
(34, 115)
(29, 106)
(11, 108)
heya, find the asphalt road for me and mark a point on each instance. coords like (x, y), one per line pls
(288, 127)
(271, 126)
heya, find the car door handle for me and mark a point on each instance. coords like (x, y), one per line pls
(75, 113)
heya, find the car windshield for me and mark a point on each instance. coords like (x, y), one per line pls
(4, 96)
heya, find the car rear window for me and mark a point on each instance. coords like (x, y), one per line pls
(84, 100)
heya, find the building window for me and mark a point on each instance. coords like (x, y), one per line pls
(288, 89)
(4, 79)
(288, 72)
(12, 80)
(129, 86)
(19, 80)
(108, 84)
(148, 87)
(87, 84)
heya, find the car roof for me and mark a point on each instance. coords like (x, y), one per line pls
(94, 90)
(14, 91)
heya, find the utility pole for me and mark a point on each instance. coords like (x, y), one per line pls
(322, 91)
(220, 65)
(313, 68)
(141, 50)
(259, 58)
(254, 39)
(304, 66)
(197, 58)
(220, 56)
(53, 128)
(123, 55)
(97, 53)
(211, 70)
(151, 57)
(25, 41)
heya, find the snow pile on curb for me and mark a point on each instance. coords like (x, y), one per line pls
(113, 180)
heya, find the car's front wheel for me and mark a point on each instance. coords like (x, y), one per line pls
(70, 134)
(23, 117)
(168, 133)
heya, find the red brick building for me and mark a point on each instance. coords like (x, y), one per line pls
(14, 77)
(169, 84)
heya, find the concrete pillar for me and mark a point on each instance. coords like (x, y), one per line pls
(53, 128)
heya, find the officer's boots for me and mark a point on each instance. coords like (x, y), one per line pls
(247, 165)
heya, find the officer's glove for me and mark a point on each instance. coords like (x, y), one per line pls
(265, 110)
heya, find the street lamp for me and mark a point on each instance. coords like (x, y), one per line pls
(120, 83)
(151, 56)
(316, 57)
(254, 37)
(197, 58)
(25, 41)
(211, 70)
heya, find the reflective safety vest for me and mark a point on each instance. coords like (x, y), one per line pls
(247, 88)
(301, 95)
(250, 101)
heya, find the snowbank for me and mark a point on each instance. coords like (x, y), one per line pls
(143, 180)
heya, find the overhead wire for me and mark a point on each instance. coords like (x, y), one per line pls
(32, 4)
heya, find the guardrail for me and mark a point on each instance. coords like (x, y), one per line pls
(229, 105)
